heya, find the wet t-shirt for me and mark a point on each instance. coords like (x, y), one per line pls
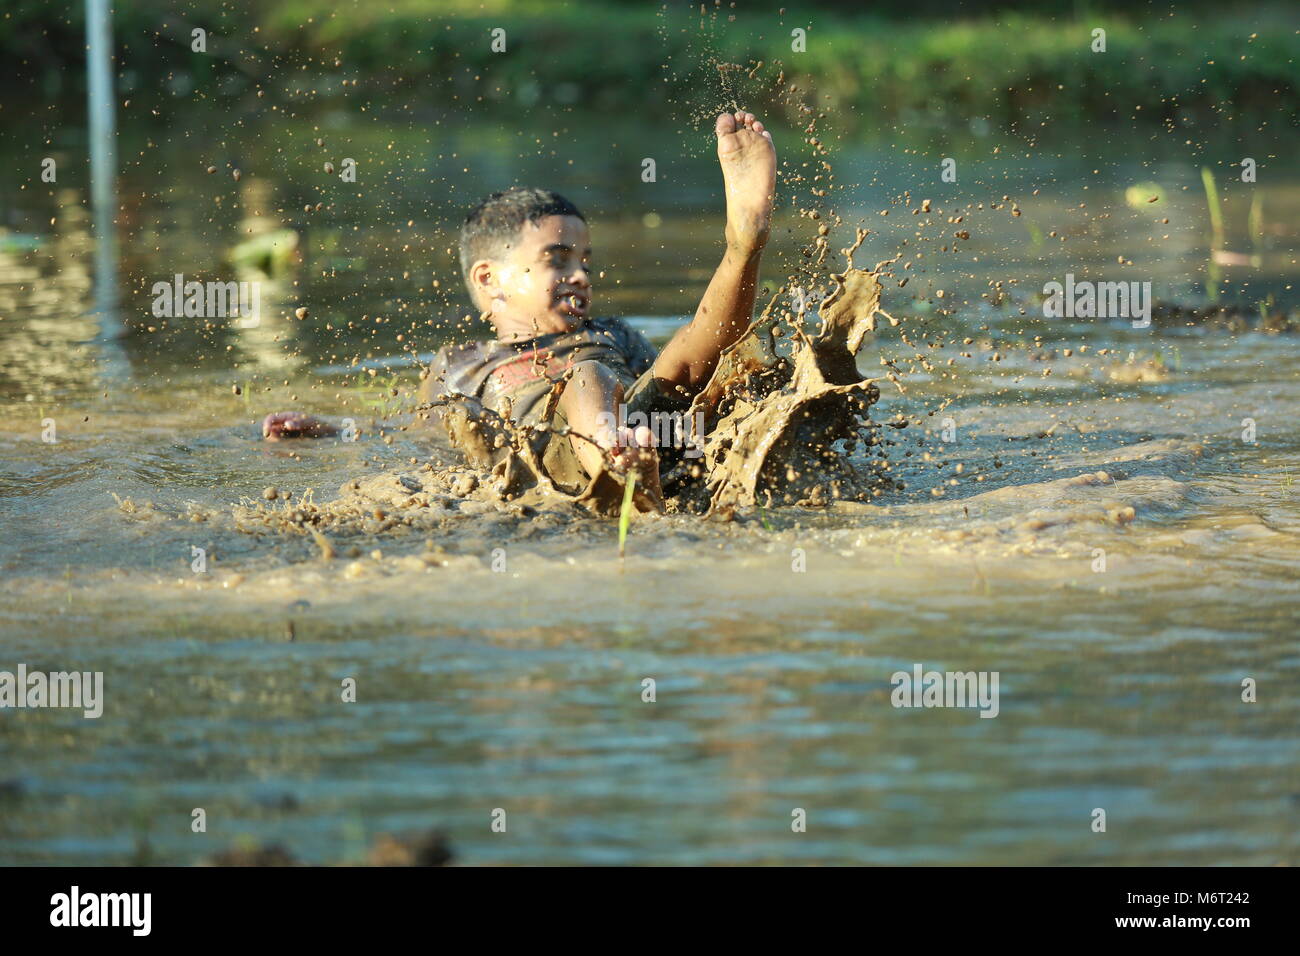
(523, 372)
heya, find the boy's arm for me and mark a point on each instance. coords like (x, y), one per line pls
(725, 311)
(279, 426)
(748, 162)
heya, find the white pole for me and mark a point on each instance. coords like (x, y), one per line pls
(103, 161)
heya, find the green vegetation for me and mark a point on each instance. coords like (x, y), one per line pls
(1213, 273)
(625, 513)
(1002, 64)
(380, 394)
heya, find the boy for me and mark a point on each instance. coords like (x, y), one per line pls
(525, 255)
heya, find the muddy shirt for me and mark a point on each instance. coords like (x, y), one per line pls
(523, 372)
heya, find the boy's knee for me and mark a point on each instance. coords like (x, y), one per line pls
(592, 382)
(590, 400)
(592, 373)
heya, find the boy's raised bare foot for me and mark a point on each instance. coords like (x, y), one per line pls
(748, 161)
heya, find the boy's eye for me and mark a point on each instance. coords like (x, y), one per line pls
(565, 262)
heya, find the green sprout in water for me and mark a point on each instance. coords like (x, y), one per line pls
(625, 515)
(1216, 227)
(1264, 305)
(1255, 225)
(375, 393)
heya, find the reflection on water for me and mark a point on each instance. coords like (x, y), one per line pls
(1120, 689)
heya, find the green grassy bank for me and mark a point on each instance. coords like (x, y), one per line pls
(605, 55)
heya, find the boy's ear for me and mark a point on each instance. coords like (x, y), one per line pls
(482, 277)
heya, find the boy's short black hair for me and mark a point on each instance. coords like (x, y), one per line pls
(495, 222)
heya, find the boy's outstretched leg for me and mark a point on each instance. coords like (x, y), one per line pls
(748, 161)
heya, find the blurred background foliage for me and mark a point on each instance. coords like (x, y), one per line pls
(1003, 60)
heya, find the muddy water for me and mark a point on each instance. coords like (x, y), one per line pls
(521, 688)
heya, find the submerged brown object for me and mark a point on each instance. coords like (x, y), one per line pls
(270, 854)
(430, 848)
(423, 849)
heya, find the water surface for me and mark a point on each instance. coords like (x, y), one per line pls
(522, 689)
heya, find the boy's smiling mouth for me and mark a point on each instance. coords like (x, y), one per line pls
(574, 303)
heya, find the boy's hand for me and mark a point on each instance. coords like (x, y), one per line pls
(635, 452)
(281, 425)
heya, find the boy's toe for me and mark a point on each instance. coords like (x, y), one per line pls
(726, 124)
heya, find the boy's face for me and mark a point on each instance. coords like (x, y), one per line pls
(541, 283)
